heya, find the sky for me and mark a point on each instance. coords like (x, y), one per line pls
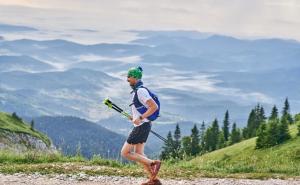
(98, 21)
(106, 20)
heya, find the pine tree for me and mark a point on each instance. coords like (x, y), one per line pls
(286, 112)
(297, 118)
(245, 133)
(226, 126)
(274, 113)
(255, 119)
(262, 116)
(261, 140)
(286, 108)
(208, 140)
(250, 124)
(221, 140)
(283, 130)
(272, 133)
(187, 145)
(177, 142)
(215, 134)
(195, 147)
(235, 135)
(15, 116)
(298, 129)
(32, 125)
(168, 148)
(202, 134)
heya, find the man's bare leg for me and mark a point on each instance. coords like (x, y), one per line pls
(137, 157)
(126, 152)
(139, 149)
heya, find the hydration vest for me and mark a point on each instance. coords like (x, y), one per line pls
(140, 107)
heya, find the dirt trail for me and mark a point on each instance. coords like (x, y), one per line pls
(82, 179)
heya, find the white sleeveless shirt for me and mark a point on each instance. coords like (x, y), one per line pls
(143, 96)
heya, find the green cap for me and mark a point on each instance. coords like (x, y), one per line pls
(135, 72)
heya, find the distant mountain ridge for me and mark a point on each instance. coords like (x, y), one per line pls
(15, 28)
(198, 76)
(72, 135)
(23, 63)
(54, 93)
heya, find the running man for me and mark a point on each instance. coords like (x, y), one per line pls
(133, 148)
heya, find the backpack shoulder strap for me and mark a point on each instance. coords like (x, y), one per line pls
(135, 98)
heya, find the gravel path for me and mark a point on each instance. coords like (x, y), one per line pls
(82, 179)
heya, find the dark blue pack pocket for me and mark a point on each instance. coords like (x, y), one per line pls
(142, 109)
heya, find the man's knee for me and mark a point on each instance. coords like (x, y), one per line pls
(125, 153)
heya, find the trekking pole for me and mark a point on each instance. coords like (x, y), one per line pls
(118, 109)
(114, 106)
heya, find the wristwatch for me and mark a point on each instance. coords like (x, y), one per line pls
(141, 118)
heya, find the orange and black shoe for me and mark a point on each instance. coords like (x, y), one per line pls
(149, 182)
(157, 182)
(152, 182)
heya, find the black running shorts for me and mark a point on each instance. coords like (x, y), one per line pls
(139, 134)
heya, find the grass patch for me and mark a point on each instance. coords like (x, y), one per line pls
(35, 157)
(97, 160)
(241, 160)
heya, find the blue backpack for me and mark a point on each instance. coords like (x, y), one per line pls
(142, 109)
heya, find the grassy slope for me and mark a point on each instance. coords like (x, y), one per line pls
(7, 122)
(242, 160)
(239, 161)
